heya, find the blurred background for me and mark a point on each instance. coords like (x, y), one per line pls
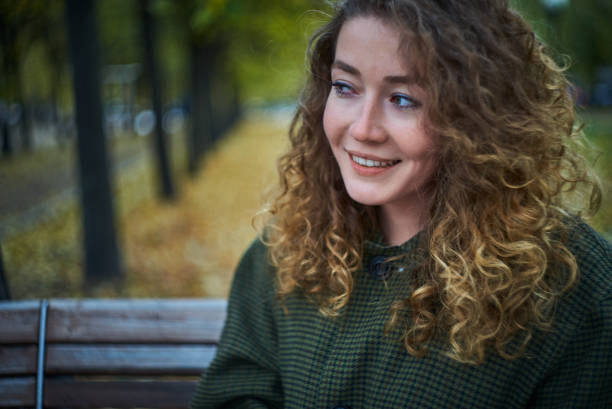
(139, 137)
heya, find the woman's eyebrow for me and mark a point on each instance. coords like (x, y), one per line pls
(392, 79)
(341, 65)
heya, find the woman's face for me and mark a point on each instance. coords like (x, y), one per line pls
(374, 118)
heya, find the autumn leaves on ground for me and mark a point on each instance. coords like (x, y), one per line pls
(182, 249)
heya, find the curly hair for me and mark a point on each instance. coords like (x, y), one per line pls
(508, 181)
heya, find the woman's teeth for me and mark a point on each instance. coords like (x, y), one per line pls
(373, 163)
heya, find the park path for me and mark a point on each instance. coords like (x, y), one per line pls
(34, 187)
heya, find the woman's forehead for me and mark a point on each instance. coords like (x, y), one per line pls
(377, 43)
(372, 40)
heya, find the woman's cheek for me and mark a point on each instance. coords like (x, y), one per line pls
(331, 120)
(326, 119)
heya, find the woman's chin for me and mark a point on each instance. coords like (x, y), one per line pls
(365, 197)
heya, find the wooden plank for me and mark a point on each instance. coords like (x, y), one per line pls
(65, 393)
(17, 392)
(18, 359)
(19, 321)
(136, 321)
(129, 359)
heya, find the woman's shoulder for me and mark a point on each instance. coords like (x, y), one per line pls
(579, 343)
(586, 309)
(254, 273)
(256, 253)
(593, 255)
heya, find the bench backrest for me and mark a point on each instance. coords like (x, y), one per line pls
(105, 353)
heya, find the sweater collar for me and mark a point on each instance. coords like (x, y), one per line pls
(376, 246)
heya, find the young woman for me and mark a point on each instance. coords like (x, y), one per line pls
(422, 252)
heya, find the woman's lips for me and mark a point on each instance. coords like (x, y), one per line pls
(369, 166)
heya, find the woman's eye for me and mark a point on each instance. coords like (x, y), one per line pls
(404, 101)
(342, 88)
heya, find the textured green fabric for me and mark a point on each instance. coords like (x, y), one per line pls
(268, 358)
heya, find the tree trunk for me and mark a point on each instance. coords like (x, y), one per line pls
(56, 67)
(7, 146)
(26, 129)
(236, 108)
(55, 116)
(160, 142)
(101, 250)
(7, 44)
(4, 289)
(202, 128)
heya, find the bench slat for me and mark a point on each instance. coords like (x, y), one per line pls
(136, 321)
(118, 394)
(129, 359)
(19, 321)
(17, 392)
(18, 360)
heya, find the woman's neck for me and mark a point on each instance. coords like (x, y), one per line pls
(401, 222)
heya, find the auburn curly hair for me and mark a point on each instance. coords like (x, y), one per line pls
(508, 181)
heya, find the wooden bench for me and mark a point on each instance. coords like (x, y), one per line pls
(105, 353)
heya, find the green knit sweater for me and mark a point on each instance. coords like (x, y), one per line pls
(300, 359)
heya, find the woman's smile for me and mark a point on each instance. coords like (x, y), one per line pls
(365, 165)
(371, 160)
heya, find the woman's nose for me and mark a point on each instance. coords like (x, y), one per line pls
(368, 126)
